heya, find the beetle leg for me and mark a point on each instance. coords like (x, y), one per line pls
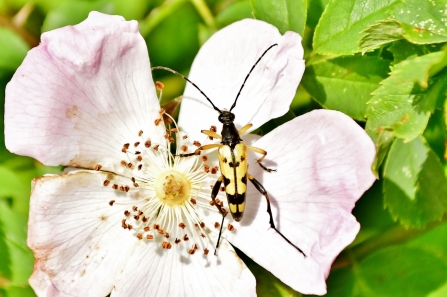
(263, 153)
(245, 128)
(262, 190)
(222, 211)
(202, 148)
(211, 134)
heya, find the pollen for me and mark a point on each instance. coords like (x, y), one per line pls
(173, 188)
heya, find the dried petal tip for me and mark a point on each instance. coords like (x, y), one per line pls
(159, 85)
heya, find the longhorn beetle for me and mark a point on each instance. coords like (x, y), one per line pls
(232, 154)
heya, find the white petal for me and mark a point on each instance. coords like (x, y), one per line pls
(153, 271)
(323, 160)
(77, 238)
(222, 65)
(81, 94)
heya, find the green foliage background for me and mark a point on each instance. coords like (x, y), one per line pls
(382, 62)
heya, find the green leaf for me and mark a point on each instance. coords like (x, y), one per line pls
(314, 11)
(415, 186)
(286, 15)
(21, 258)
(234, 12)
(129, 9)
(380, 33)
(402, 271)
(68, 13)
(436, 133)
(13, 51)
(341, 282)
(423, 21)
(345, 83)
(22, 291)
(400, 105)
(403, 49)
(338, 31)
(10, 184)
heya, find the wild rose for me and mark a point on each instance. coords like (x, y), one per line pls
(136, 220)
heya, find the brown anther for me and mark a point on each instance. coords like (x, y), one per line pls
(191, 251)
(196, 225)
(129, 165)
(140, 132)
(156, 147)
(184, 137)
(166, 135)
(136, 144)
(149, 236)
(157, 122)
(222, 189)
(121, 188)
(126, 188)
(217, 200)
(195, 247)
(167, 235)
(182, 225)
(148, 144)
(203, 235)
(161, 111)
(174, 130)
(123, 223)
(230, 227)
(206, 168)
(168, 119)
(134, 208)
(132, 179)
(184, 148)
(204, 158)
(139, 158)
(137, 152)
(140, 236)
(126, 213)
(171, 139)
(156, 226)
(136, 218)
(140, 166)
(147, 229)
(140, 213)
(196, 143)
(135, 185)
(221, 203)
(202, 225)
(98, 167)
(124, 163)
(206, 251)
(216, 225)
(111, 202)
(159, 85)
(160, 231)
(214, 170)
(145, 220)
(212, 203)
(193, 201)
(126, 145)
(166, 245)
(106, 183)
(124, 150)
(185, 237)
(130, 227)
(213, 128)
(177, 241)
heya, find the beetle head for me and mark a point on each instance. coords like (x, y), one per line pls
(226, 117)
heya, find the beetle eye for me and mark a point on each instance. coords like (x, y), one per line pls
(232, 116)
(220, 118)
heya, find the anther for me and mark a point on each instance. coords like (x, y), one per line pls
(171, 139)
(206, 251)
(177, 241)
(139, 158)
(126, 188)
(145, 220)
(106, 183)
(124, 150)
(196, 225)
(126, 213)
(115, 187)
(182, 225)
(147, 229)
(161, 231)
(140, 132)
(230, 227)
(111, 202)
(184, 148)
(124, 163)
(166, 135)
(136, 218)
(98, 167)
(136, 144)
(147, 144)
(149, 236)
(174, 130)
(216, 225)
(140, 236)
(156, 226)
(213, 128)
(137, 152)
(184, 137)
(129, 165)
(214, 170)
(196, 143)
(135, 185)
(191, 251)
(206, 168)
(217, 201)
(193, 201)
(202, 225)
(203, 235)
(126, 145)
(123, 224)
(156, 147)
(204, 158)
(185, 237)
(212, 203)
(130, 227)
(162, 111)
(166, 245)
(132, 179)
(159, 85)
(167, 235)
(140, 166)
(121, 188)
(157, 122)
(134, 208)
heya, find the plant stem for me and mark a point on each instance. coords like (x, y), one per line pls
(204, 12)
(157, 15)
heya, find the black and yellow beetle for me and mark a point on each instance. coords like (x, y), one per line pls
(233, 160)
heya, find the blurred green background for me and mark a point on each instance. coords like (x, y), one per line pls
(358, 53)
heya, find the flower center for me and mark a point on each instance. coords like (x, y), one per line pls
(173, 188)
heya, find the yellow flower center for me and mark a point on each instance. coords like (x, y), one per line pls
(173, 188)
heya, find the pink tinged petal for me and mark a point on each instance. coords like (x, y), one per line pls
(222, 65)
(81, 94)
(323, 160)
(156, 272)
(76, 236)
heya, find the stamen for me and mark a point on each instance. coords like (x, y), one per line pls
(106, 183)
(98, 167)
(111, 202)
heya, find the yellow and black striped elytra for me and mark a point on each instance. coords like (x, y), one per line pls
(233, 160)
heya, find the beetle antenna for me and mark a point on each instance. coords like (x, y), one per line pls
(243, 84)
(185, 78)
